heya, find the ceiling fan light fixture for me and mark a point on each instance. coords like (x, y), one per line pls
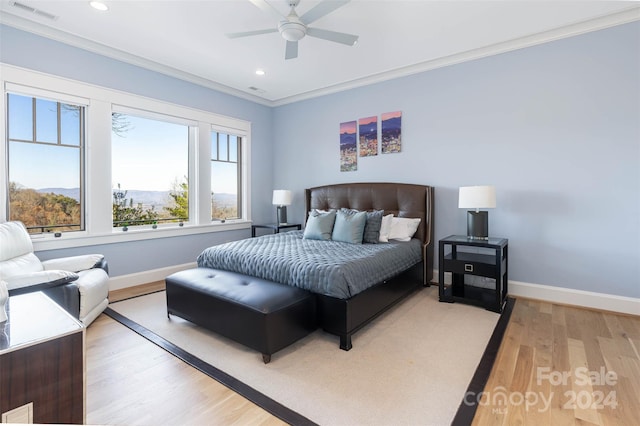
(291, 30)
(98, 5)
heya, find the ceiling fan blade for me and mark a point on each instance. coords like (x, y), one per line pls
(322, 9)
(268, 9)
(335, 36)
(291, 51)
(251, 33)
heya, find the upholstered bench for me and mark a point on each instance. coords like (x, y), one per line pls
(257, 313)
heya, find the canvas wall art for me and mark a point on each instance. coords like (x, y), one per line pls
(348, 147)
(368, 130)
(391, 132)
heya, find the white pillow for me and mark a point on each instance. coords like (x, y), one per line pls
(385, 228)
(403, 228)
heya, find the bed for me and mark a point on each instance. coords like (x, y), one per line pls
(351, 294)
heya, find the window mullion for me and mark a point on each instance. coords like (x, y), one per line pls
(239, 172)
(227, 142)
(58, 122)
(34, 137)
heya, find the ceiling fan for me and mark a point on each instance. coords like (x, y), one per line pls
(293, 28)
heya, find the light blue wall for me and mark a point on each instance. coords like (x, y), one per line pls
(30, 51)
(555, 127)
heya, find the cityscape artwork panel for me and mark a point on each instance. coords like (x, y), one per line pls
(391, 132)
(348, 147)
(368, 129)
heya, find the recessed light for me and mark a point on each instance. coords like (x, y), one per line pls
(99, 6)
(260, 71)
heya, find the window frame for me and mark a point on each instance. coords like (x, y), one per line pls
(239, 154)
(100, 103)
(35, 95)
(191, 148)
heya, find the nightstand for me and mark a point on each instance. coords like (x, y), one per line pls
(478, 269)
(276, 227)
(42, 363)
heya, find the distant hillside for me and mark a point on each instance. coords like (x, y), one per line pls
(67, 192)
(146, 198)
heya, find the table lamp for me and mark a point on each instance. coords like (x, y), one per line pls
(282, 199)
(477, 197)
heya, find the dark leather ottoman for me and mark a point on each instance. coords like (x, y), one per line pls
(257, 313)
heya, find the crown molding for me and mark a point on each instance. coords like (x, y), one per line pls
(630, 15)
(120, 55)
(626, 16)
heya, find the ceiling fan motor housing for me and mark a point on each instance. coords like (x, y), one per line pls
(292, 30)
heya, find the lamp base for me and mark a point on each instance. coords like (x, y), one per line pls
(282, 215)
(478, 225)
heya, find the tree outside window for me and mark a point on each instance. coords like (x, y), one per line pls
(46, 163)
(149, 171)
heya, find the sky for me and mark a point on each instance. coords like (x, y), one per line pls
(149, 155)
(38, 166)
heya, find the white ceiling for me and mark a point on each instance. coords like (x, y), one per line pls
(186, 38)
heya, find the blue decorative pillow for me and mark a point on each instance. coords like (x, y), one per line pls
(319, 225)
(349, 226)
(372, 226)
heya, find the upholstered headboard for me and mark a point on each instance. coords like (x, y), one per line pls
(401, 199)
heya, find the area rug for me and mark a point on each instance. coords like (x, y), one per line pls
(411, 366)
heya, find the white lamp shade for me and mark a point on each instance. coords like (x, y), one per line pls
(282, 197)
(477, 197)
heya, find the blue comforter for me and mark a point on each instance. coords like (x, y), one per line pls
(331, 268)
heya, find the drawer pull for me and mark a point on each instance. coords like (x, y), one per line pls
(468, 267)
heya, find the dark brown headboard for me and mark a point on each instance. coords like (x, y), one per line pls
(401, 199)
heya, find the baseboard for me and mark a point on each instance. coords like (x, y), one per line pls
(145, 277)
(568, 296)
(561, 295)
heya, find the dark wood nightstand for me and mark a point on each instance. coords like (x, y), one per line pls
(462, 257)
(276, 227)
(42, 363)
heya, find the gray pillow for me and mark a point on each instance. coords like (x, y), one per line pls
(349, 226)
(372, 226)
(319, 225)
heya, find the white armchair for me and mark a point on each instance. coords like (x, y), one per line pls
(80, 284)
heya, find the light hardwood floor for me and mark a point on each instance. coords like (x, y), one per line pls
(130, 381)
(562, 365)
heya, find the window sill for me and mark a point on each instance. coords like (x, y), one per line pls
(69, 240)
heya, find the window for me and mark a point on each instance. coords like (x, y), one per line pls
(150, 169)
(226, 192)
(83, 160)
(45, 163)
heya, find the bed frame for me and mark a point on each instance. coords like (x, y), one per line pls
(343, 317)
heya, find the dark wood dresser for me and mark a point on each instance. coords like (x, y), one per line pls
(42, 363)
